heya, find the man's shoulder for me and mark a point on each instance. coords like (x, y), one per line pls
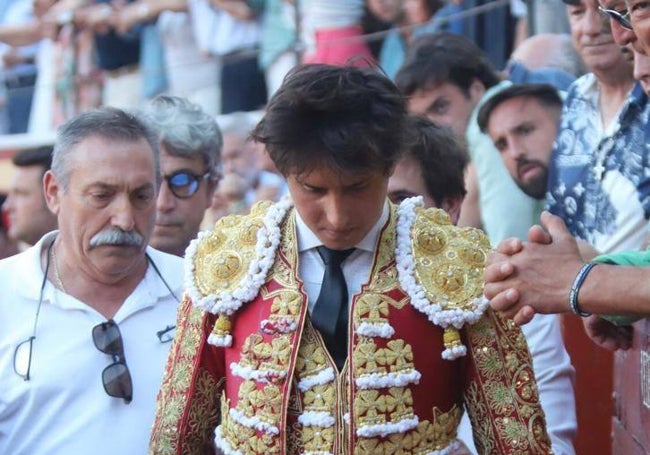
(235, 252)
(168, 267)
(166, 259)
(21, 272)
(15, 262)
(585, 87)
(456, 255)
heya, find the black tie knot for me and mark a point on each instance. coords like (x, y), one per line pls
(333, 258)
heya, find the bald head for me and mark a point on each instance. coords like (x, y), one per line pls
(549, 50)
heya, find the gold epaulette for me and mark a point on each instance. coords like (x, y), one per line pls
(224, 254)
(226, 267)
(449, 260)
(441, 269)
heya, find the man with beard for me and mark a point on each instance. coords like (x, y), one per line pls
(80, 359)
(432, 167)
(522, 122)
(190, 156)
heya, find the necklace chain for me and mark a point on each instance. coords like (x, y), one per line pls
(57, 275)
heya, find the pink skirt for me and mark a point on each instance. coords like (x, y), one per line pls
(341, 46)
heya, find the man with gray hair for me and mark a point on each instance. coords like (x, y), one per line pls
(84, 312)
(190, 145)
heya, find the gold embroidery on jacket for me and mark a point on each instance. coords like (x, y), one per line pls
(266, 359)
(316, 439)
(390, 405)
(317, 386)
(312, 358)
(245, 439)
(174, 393)
(372, 308)
(427, 437)
(448, 260)
(270, 360)
(503, 399)
(383, 402)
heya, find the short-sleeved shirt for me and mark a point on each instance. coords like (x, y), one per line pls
(63, 408)
(599, 177)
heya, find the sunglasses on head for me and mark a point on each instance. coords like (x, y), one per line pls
(184, 184)
(623, 18)
(116, 376)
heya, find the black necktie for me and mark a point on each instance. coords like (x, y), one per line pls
(330, 313)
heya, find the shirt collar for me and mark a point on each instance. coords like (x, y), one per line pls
(308, 240)
(29, 264)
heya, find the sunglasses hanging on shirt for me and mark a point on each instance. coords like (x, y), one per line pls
(107, 338)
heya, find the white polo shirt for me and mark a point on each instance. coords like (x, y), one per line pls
(63, 408)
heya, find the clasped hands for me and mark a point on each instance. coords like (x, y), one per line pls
(525, 278)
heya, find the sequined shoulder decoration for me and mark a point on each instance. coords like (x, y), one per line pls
(440, 267)
(226, 267)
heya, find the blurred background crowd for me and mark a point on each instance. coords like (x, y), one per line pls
(64, 57)
(61, 57)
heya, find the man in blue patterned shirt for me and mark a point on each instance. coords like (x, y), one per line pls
(598, 179)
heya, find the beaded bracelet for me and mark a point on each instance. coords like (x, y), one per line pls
(575, 288)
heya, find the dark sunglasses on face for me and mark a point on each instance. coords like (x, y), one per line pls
(623, 17)
(184, 184)
(116, 376)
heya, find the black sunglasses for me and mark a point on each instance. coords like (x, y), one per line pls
(623, 18)
(115, 377)
(184, 184)
(22, 361)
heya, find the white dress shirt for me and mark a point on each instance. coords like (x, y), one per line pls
(356, 267)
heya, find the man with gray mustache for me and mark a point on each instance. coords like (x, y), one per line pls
(86, 313)
(116, 238)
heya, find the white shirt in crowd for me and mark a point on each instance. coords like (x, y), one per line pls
(63, 408)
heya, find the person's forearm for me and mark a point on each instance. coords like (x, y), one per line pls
(237, 9)
(615, 289)
(167, 5)
(21, 34)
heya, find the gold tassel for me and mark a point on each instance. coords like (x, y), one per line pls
(451, 337)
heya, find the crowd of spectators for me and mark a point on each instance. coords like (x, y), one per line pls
(537, 104)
